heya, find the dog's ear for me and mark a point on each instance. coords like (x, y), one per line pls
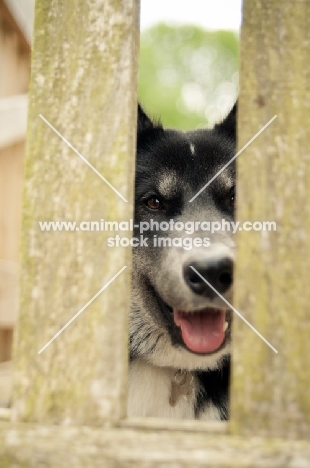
(144, 122)
(229, 124)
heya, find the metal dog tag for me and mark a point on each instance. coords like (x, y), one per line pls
(181, 385)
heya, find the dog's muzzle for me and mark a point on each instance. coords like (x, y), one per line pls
(204, 331)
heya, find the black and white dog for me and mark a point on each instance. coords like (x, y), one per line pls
(180, 329)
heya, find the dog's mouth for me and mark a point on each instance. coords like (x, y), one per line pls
(203, 331)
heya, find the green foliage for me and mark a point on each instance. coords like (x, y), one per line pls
(188, 76)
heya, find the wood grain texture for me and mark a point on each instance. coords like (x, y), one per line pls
(270, 392)
(83, 82)
(30, 446)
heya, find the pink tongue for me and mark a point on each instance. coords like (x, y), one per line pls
(202, 331)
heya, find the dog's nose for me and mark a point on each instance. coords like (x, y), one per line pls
(218, 272)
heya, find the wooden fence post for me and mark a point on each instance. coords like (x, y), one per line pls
(83, 83)
(270, 392)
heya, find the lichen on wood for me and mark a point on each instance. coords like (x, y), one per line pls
(28, 445)
(84, 68)
(270, 392)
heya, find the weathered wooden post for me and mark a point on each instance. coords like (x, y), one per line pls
(270, 393)
(83, 83)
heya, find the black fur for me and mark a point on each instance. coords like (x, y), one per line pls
(171, 167)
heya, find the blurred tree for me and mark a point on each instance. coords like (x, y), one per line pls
(188, 76)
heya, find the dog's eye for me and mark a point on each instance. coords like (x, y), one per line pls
(153, 203)
(233, 200)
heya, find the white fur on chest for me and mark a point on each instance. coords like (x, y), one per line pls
(149, 392)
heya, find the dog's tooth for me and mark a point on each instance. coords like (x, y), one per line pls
(225, 326)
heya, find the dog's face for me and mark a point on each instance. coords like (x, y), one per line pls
(177, 319)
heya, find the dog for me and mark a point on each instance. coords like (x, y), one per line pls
(180, 328)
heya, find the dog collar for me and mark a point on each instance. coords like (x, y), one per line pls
(181, 384)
